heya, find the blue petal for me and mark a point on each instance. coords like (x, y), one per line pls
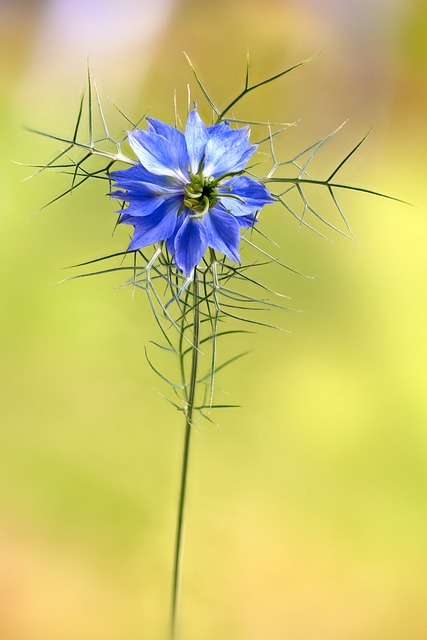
(138, 173)
(155, 227)
(222, 231)
(253, 193)
(135, 195)
(170, 242)
(175, 137)
(247, 221)
(136, 189)
(227, 152)
(125, 218)
(196, 136)
(139, 208)
(190, 244)
(141, 189)
(157, 154)
(220, 127)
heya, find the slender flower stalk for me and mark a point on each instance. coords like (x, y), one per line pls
(193, 202)
(189, 412)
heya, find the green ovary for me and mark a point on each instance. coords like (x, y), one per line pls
(200, 195)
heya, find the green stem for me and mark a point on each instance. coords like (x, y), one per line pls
(186, 453)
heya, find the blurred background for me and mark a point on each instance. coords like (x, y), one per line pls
(307, 507)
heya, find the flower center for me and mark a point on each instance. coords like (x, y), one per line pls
(200, 195)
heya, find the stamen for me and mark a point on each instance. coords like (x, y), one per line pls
(200, 195)
(206, 207)
(233, 195)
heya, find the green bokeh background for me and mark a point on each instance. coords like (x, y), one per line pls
(307, 507)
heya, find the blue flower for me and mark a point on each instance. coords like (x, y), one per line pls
(188, 189)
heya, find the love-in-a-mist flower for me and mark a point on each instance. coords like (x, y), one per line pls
(188, 189)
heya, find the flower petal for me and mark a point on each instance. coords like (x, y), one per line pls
(175, 137)
(155, 227)
(138, 173)
(220, 127)
(196, 136)
(145, 200)
(190, 244)
(158, 154)
(247, 221)
(137, 189)
(170, 242)
(222, 231)
(143, 207)
(253, 194)
(227, 152)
